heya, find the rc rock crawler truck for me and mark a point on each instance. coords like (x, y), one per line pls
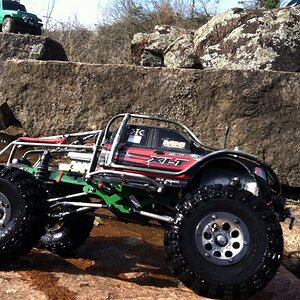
(220, 208)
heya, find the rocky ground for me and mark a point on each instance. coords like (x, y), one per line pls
(126, 261)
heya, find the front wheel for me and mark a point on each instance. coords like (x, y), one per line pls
(9, 25)
(224, 243)
(23, 210)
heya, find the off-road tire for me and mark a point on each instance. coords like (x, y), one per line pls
(9, 25)
(65, 236)
(23, 212)
(192, 259)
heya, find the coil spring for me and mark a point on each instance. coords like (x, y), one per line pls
(42, 170)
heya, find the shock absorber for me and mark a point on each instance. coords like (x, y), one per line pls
(42, 170)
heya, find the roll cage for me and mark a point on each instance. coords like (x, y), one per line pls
(109, 169)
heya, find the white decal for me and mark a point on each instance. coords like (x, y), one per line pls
(173, 144)
(134, 139)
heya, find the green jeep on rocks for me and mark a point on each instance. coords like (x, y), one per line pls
(14, 18)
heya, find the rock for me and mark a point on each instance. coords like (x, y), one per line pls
(37, 51)
(251, 39)
(262, 107)
(292, 243)
(108, 267)
(167, 46)
(24, 46)
(149, 59)
(98, 221)
(236, 39)
(180, 53)
(7, 117)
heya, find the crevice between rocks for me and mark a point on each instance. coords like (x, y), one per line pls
(7, 117)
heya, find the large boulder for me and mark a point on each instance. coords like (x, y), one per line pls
(24, 46)
(251, 39)
(262, 107)
(236, 39)
(166, 46)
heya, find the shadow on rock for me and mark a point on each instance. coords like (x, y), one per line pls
(292, 263)
(125, 258)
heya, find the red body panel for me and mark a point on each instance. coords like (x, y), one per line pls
(152, 159)
(43, 140)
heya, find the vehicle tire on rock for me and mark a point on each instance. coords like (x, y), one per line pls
(9, 25)
(23, 211)
(64, 236)
(224, 243)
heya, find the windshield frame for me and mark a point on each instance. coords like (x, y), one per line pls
(13, 5)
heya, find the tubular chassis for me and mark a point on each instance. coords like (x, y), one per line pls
(219, 207)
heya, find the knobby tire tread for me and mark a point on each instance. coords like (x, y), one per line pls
(19, 240)
(74, 233)
(180, 267)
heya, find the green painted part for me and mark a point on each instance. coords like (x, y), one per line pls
(92, 190)
(66, 178)
(119, 192)
(28, 169)
(55, 175)
(111, 200)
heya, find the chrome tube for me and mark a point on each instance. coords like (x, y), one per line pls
(67, 197)
(117, 140)
(167, 219)
(79, 204)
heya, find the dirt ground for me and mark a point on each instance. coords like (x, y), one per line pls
(126, 261)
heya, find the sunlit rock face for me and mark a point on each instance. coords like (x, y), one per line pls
(236, 39)
(261, 107)
(25, 46)
(166, 46)
(251, 39)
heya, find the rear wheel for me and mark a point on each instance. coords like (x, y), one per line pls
(9, 25)
(224, 243)
(22, 213)
(64, 236)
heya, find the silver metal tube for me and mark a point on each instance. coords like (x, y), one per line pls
(192, 135)
(167, 219)
(72, 134)
(51, 145)
(79, 210)
(79, 204)
(5, 148)
(125, 174)
(108, 126)
(117, 140)
(11, 155)
(67, 197)
(93, 162)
